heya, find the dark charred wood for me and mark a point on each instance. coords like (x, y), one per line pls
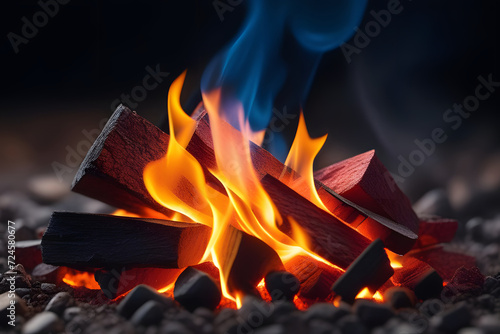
(79, 240)
(371, 270)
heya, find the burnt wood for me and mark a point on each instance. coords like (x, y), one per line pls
(329, 237)
(364, 180)
(244, 260)
(435, 230)
(371, 270)
(80, 240)
(316, 278)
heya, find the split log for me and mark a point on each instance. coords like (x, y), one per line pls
(419, 277)
(113, 168)
(329, 237)
(79, 240)
(444, 262)
(107, 173)
(244, 260)
(316, 278)
(364, 180)
(397, 236)
(370, 270)
(435, 230)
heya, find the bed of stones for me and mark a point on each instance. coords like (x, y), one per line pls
(47, 308)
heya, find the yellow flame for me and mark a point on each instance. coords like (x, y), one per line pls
(301, 159)
(177, 182)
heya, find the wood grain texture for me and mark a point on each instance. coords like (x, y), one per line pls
(364, 180)
(80, 240)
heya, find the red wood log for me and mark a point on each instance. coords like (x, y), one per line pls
(316, 278)
(435, 230)
(329, 237)
(79, 240)
(364, 180)
(244, 260)
(444, 262)
(29, 253)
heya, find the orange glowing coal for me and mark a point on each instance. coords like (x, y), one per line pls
(77, 278)
(247, 206)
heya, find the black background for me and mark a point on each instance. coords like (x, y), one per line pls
(395, 91)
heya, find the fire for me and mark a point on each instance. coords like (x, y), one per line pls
(80, 278)
(245, 204)
(366, 294)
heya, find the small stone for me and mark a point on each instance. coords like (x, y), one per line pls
(6, 300)
(325, 311)
(21, 292)
(48, 288)
(137, 297)
(47, 189)
(489, 323)
(496, 292)
(400, 297)
(59, 303)
(429, 286)
(225, 315)
(351, 324)
(44, 322)
(471, 330)
(205, 313)
(450, 321)
(319, 326)
(371, 313)
(254, 312)
(490, 283)
(173, 327)
(282, 285)
(282, 310)
(195, 288)
(23, 281)
(272, 329)
(71, 312)
(150, 313)
(487, 301)
(431, 307)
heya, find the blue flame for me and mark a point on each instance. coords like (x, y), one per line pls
(255, 66)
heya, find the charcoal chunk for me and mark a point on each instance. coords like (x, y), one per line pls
(450, 321)
(429, 286)
(150, 313)
(138, 297)
(195, 288)
(282, 285)
(399, 297)
(371, 313)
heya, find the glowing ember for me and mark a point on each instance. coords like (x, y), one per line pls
(81, 279)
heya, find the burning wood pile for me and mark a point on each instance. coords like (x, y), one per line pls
(210, 216)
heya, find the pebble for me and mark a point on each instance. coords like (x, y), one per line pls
(450, 321)
(282, 285)
(351, 324)
(435, 202)
(138, 296)
(59, 303)
(489, 323)
(44, 322)
(431, 307)
(399, 297)
(174, 327)
(271, 329)
(150, 313)
(372, 314)
(195, 288)
(325, 311)
(21, 292)
(254, 311)
(5, 302)
(71, 312)
(47, 189)
(319, 326)
(490, 283)
(205, 313)
(48, 288)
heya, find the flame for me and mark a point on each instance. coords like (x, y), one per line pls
(177, 181)
(81, 279)
(301, 157)
(366, 294)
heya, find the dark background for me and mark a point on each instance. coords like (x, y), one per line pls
(396, 90)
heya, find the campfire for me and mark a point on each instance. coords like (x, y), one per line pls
(209, 217)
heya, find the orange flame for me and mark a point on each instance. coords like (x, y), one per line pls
(81, 278)
(177, 181)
